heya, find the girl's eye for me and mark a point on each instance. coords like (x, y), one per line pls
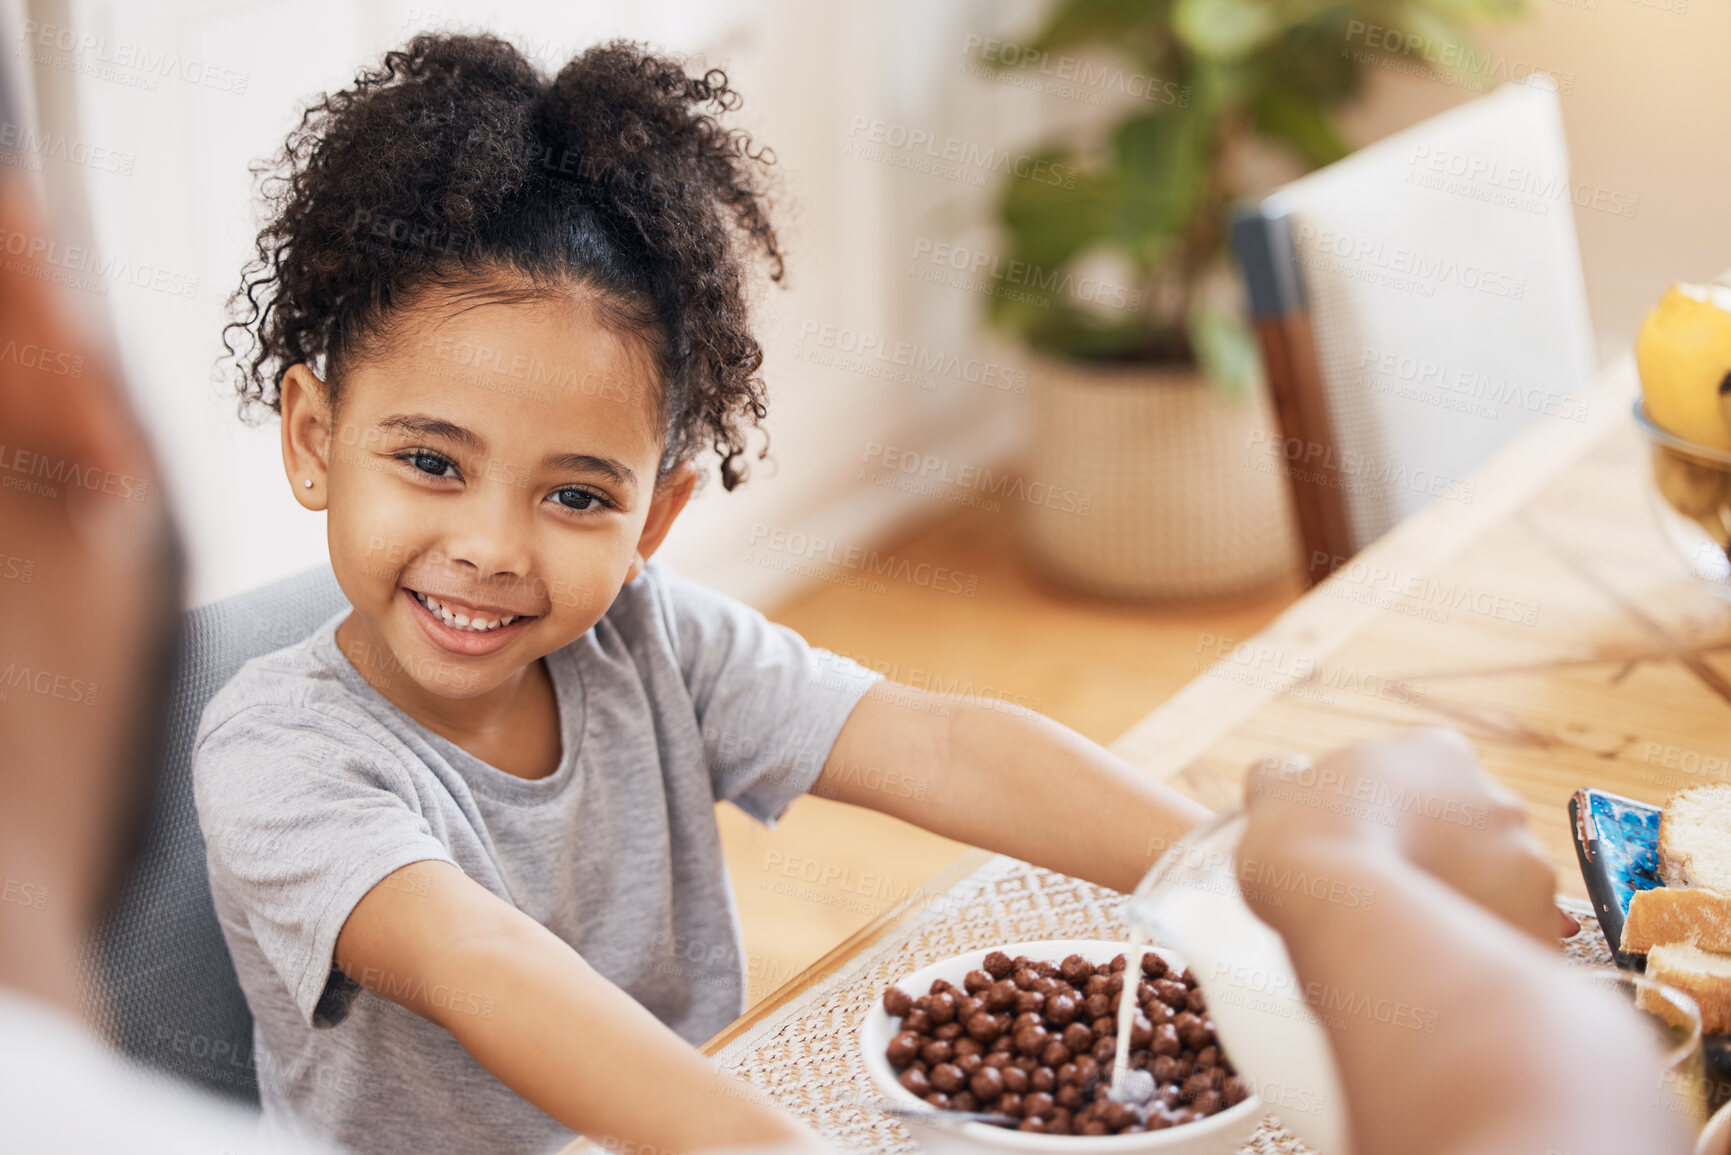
(428, 462)
(580, 500)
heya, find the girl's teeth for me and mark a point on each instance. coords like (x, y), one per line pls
(462, 621)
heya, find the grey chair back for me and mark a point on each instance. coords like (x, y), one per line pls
(161, 983)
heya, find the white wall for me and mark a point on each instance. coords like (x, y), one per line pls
(1647, 110)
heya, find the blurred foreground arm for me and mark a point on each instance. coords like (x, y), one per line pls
(1506, 1052)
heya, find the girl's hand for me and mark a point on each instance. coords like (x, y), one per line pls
(1419, 796)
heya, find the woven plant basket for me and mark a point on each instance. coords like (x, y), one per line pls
(1178, 503)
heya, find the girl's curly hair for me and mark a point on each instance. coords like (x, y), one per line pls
(457, 158)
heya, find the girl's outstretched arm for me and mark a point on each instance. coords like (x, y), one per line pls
(1008, 780)
(558, 1033)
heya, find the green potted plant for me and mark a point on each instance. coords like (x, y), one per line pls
(1148, 381)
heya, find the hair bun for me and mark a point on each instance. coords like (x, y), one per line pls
(456, 156)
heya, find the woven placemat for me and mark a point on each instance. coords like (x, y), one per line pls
(805, 1057)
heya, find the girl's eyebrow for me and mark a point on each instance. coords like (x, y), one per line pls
(434, 427)
(613, 470)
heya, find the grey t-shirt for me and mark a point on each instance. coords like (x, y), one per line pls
(312, 787)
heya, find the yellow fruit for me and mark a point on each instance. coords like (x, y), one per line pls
(1684, 354)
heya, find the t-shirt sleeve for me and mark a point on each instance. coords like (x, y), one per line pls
(770, 705)
(302, 815)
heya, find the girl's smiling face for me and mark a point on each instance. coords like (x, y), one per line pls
(490, 475)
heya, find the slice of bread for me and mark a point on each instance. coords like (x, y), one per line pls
(1668, 914)
(1703, 975)
(1695, 838)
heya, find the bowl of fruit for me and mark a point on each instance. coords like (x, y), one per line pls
(1683, 353)
(1020, 1041)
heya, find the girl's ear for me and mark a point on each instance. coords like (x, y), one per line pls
(306, 435)
(670, 497)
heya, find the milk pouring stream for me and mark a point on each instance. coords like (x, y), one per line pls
(1191, 902)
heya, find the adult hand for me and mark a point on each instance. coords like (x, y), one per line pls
(1419, 795)
(1412, 931)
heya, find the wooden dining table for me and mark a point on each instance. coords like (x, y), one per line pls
(1547, 618)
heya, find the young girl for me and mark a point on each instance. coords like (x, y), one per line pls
(462, 840)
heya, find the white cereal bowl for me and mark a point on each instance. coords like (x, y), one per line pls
(1220, 1134)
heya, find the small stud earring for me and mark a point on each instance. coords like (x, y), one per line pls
(308, 483)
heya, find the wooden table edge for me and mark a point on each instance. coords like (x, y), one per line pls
(832, 961)
(848, 948)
